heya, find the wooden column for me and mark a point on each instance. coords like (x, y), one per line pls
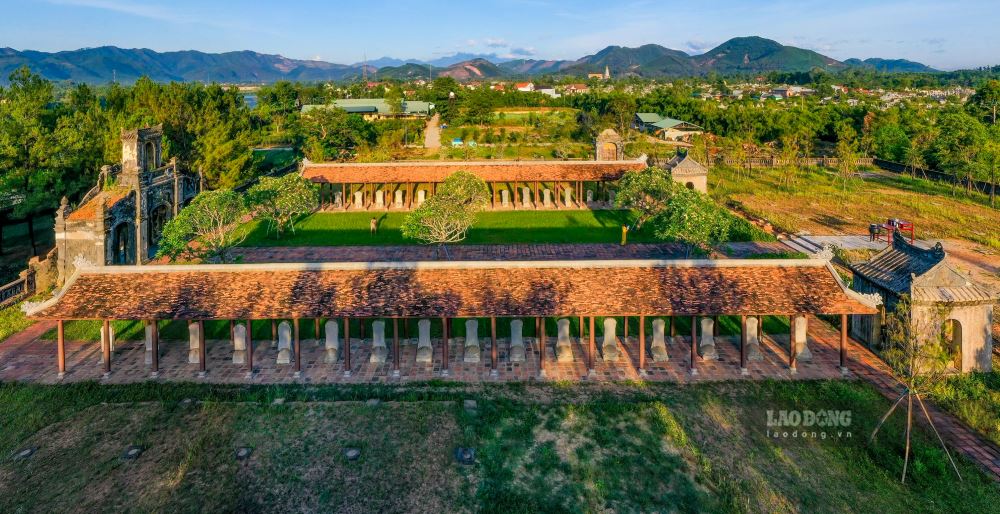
(343, 196)
(715, 326)
(493, 194)
(493, 346)
(316, 324)
(694, 345)
(232, 331)
(673, 328)
(155, 364)
(106, 345)
(60, 348)
(535, 199)
(591, 347)
(395, 346)
(581, 331)
(445, 332)
(347, 345)
(540, 336)
(843, 343)
(249, 347)
(361, 328)
(791, 343)
(201, 348)
(274, 331)
(642, 344)
(625, 327)
(743, 343)
(297, 345)
(409, 195)
(515, 194)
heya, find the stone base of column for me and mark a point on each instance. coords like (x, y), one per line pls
(249, 375)
(495, 373)
(154, 375)
(793, 371)
(444, 373)
(347, 373)
(744, 372)
(694, 372)
(395, 373)
(297, 374)
(642, 373)
(844, 371)
(105, 376)
(542, 373)
(591, 372)
(61, 375)
(201, 374)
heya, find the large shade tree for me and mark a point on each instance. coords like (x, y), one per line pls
(207, 229)
(447, 216)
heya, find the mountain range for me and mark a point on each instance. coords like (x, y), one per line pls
(742, 55)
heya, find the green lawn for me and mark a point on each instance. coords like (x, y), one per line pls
(12, 321)
(577, 226)
(540, 448)
(974, 398)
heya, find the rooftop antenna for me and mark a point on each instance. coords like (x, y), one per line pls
(430, 73)
(364, 68)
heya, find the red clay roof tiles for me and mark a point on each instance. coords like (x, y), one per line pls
(479, 290)
(489, 171)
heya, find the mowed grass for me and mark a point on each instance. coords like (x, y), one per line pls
(12, 321)
(974, 398)
(514, 227)
(540, 448)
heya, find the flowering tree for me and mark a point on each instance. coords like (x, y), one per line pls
(447, 216)
(646, 192)
(206, 229)
(693, 218)
(280, 201)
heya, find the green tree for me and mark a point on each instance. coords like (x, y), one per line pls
(207, 229)
(692, 218)
(986, 101)
(280, 201)
(447, 216)
(394, 98)
(646, 192)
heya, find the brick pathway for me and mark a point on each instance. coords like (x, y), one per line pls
(26, 357)
(514, 252)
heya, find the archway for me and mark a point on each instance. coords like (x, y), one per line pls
(690, 185)
(121, 244)
(951, 336)
(609, 151)
(157, 219)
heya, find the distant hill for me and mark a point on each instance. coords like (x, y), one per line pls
(742, 55)
(474, 69)
(891, 65)
(756, 54)
(103, 64)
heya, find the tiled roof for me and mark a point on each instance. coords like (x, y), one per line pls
(489, 171)
(360, 105)
(904, 268)
(684, 165)
(88, 211)
(457, 289)
(648, 117)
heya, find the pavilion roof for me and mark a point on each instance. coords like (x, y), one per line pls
(453, 289)
(89, 209)
(489, 171)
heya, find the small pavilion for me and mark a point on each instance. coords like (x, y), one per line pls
(524, 294)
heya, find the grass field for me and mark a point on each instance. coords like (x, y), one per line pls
(12, 321)
(975, 399)
(817, 202)
(556, 448)
(579, 226)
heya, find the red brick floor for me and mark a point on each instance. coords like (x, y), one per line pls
(515, 252)
(26, 357)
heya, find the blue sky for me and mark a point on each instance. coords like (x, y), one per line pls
(942, 33)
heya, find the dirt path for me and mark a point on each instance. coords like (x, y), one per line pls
(432, 133)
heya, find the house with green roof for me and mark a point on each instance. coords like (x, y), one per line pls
(376, 108)
(668, 129)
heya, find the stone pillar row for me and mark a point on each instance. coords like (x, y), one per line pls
(285, 337)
